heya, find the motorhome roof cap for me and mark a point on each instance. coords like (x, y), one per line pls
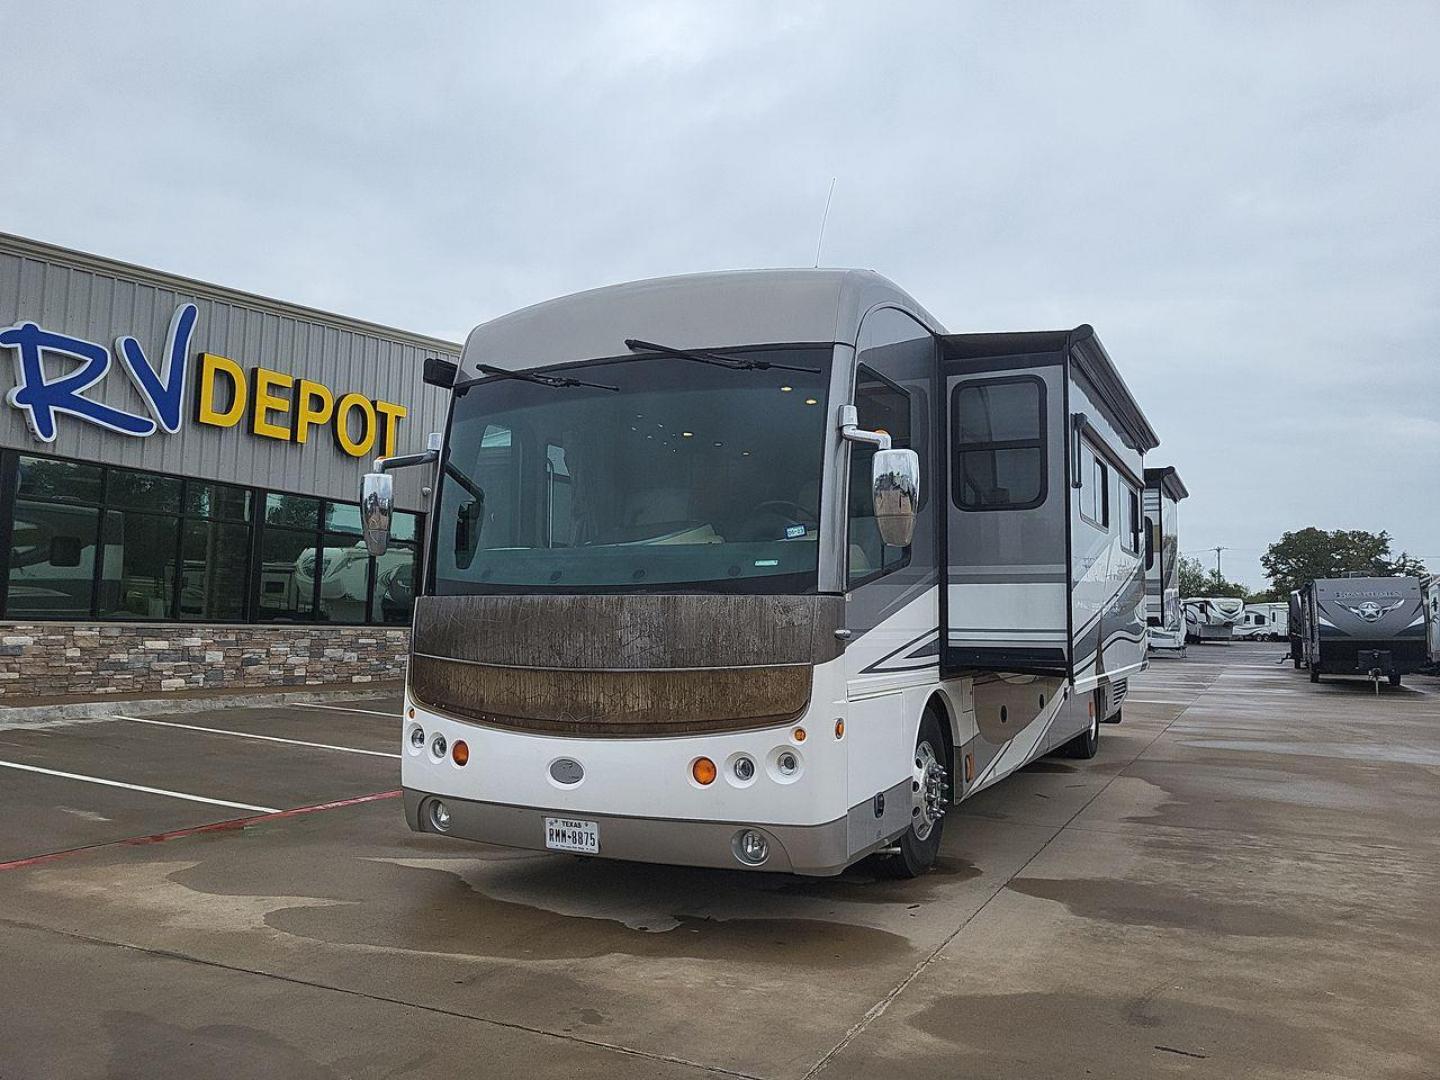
(1168, 481)
(1087, 354)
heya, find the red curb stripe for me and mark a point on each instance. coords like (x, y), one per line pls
(214, 826)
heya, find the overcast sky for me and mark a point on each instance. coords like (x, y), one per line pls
(1242, 199)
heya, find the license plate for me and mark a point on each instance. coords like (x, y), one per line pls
(572, 834)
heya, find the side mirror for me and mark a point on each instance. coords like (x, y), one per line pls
(441, 373)
(377, 502)
(895, 478)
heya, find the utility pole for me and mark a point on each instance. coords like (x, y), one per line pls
(1217, 562)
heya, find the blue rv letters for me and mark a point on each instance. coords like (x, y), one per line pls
(42, 397)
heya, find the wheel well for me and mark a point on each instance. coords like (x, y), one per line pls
(940, 706)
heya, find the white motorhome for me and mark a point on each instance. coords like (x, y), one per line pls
(1163, 491)
(763, 569)
(1212, 618)
(1263, 622)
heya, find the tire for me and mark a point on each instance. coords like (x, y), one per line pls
(920, 844)
(1085, 745)
(1395, 679)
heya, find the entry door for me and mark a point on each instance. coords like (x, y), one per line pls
(1005, 595)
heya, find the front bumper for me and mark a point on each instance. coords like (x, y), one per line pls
(817, 850)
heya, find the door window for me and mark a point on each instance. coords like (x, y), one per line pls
(882, 406)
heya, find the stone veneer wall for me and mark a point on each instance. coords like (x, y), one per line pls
(42, 659)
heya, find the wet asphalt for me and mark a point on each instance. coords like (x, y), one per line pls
(1244, 882)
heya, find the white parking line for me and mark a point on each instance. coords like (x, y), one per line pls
(253, 735)
(137, 787)
(1152, 701)
(345, 708)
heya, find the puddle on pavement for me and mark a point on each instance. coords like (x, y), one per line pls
(1133, 903)
(1138, 1028)
(546, 909)
(867, 883)
(141, 1047)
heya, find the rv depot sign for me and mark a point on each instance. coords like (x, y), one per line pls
(271, 404)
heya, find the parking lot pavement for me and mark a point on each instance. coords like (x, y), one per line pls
(83, 782)
(1242, 883)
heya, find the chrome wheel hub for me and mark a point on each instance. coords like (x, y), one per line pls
(927, 791)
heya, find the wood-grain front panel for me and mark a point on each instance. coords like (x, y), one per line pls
(629, 632)
(612, 703)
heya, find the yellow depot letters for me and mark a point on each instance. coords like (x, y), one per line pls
(280, 406)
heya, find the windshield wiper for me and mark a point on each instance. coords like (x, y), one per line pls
(745, 363)
(543, 380)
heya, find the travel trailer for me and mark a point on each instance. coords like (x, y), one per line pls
(1163, 492)
(1211, 618)
(1365, 626)
(1295, 617)
(762, 570)
(1263, 622)
(1430, 587)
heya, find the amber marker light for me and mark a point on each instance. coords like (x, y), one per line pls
(411, 712)
(459, 752)
(799, 734)
(839, 729)
(703, 770)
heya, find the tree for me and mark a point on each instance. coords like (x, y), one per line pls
(1302, 556)
(1195, 580)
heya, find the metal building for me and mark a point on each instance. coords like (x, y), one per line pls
(176, 452)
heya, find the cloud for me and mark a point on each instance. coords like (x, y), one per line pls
(1242, 200)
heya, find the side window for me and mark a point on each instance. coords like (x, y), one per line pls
(998, 444)
(882, 406)
(1131, 536)
(1095, 495)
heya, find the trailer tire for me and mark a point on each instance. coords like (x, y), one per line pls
(1395, 679)
(918, 852)
(1085, 745)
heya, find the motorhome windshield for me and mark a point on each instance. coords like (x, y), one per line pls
(682, 477)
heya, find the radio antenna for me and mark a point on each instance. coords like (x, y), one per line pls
(819, 243)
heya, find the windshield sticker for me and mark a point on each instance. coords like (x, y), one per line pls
(767, 562)
(794, 532)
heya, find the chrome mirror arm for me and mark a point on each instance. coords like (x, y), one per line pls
(851, 430)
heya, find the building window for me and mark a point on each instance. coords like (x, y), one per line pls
(999, 444)
(52, 560)
(88, 541)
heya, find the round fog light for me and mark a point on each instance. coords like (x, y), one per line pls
(787, 764)
(417, 737)
(437, 746)
(751, 847)
(744, 768)
(440, 816)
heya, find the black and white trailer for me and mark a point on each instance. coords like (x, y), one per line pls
(1163, 491)
(1296, 630)
(1371, 627)
(1430, 589)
